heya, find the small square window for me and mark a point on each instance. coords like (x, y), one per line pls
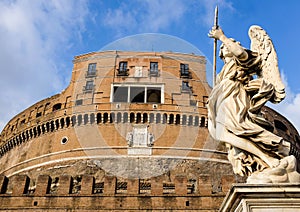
(184, 70)
(122, 70)
(78, 102)
(185, 87)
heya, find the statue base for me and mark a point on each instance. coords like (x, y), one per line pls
(262, 198)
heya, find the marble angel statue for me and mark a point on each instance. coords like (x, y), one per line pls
(248, 79)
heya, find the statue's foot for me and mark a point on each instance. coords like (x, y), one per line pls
(285, 172)
(272, 162)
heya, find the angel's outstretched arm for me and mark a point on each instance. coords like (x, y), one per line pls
(236, 49)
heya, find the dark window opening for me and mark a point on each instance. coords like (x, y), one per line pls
(280, 126)
(85, 119)
(184, 120)
(119, 117)
(89, 86)
(99, 117)
(67, 122)
(125, 117)
(165, 117)
(202, 123)
(62, 122)
(22, 122)
(105, 117)
(79, 119)
(137, 94)
(171, 119)
(151, 118)
(193, 102)
(131, 117)
(153, 68)
(56, 107)
(158, 118)
(73, 119)
(184, 70)
(190, 120)
(120, 94)
(78, 102)
(38, 114)
(92, 118)
(154, 95)
(196, 121)
(91, 70)
(112, 118)
(138, 118)
(185, 87)
(122, 70)
(145, 117)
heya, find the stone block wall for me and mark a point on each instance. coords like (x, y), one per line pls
(65, 193)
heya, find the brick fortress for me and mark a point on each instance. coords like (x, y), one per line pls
(128, 133)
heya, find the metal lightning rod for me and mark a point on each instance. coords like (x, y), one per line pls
(215, 48)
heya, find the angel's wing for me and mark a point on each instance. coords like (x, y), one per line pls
(262, 44)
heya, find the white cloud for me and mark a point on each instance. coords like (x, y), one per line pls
(33, 37)
(145, 15)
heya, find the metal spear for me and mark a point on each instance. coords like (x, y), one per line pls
(215, 48)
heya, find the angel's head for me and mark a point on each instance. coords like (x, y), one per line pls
(224, 51)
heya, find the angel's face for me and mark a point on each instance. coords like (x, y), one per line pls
(224, 51)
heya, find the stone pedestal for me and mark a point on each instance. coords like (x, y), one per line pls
(262, 198)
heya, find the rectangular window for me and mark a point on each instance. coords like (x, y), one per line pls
(122, 70)
(185, 87)
(91, 70)
(153, 68)
(78, 102)
(154, 95)
(184, 70)
(137, 94)
(120, 94)
(89, 86)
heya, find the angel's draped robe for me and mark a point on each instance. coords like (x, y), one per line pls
(234, 113)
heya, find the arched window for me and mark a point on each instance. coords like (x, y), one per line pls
(177, 120)
(158, 118)
(138, 118)
(190, 120)
(105, 118)
(92, 118)
(73, 119)
(131, 117)
(79, 120)
(112, 118)
(171, 119)
(184, 120)
(196, 123)
(119, 117)
(99, 118)
(202, 123)
(85, 119)
(151, 118)
(145, 118)
(125, 117)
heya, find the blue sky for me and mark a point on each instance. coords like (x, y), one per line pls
(39, 39)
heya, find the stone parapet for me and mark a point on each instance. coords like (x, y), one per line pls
(261, 198)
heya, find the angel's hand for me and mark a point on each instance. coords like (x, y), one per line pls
(216, 33)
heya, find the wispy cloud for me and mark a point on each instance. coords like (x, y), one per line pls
(145, 16)
(33, 37)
